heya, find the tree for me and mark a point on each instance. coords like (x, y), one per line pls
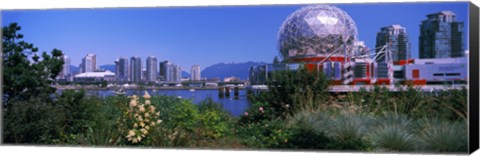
(290, 91)
(276, 60)
(25, 73)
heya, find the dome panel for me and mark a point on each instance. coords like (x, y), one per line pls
(316, 30)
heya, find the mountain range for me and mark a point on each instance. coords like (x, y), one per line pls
(219, 70)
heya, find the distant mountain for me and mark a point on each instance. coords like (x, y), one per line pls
(74, 69)
(223, 70)
(110, 67)
(185, 74)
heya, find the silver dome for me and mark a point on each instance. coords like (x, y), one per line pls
(316, 30)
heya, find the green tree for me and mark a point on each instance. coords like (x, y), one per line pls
(290, 91)
(25, 73)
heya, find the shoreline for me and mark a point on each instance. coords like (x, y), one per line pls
(138, 88)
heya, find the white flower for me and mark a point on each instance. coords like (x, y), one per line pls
(152, 109)
(159, 121)
(131, 133)
(147, 102)
(147, 127)
(135, 125)
(142, 124)
(133, 103)
(152, 123)
(142, 108)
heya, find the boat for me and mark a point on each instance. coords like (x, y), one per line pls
(192, 90)
(121, 91)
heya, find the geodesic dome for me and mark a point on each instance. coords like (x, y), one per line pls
(316, 30)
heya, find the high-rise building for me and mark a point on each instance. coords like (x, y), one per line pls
(195, 73)
(65, 68)
(89, 63)
(396, 37)
(170, 72)
(121, 69)
(441, 36)
(163, 70)
(178, 73)
(151, 69)
(135, 69)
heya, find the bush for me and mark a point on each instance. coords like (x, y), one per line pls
(288, 90)
(307, 131)
(393, 133)
(347, 132)
(437, 135)
(257, 112)
(33, 121)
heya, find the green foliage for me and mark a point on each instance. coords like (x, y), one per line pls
(287, 88)
(265, 134)
(22, 78)
(257, 112)
(32, 121)
(215, 121)
(213, 124)
(185, 117)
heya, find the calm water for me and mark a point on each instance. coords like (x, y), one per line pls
(235, 106)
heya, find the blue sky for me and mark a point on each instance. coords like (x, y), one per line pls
(199, 35)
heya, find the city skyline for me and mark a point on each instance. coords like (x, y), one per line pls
(205, 35)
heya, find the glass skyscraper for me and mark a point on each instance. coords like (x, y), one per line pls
(397, 39)
(441, 36)
(151, 68)
(121, 69)
(135, 69)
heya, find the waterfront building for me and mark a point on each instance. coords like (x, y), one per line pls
(163, 70)
(121, 69)
(89, 63)
(95, 76)
(135, 69)
(397, 39)
(177, 73)
(151, 73)
(170, 72)
(195, 73)
(441, 36)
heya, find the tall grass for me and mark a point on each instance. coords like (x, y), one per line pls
(437, 135)
(393, 133)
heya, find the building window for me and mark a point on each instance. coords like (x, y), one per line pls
(438, 74)
(453, 74)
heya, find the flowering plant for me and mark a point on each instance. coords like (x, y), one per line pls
(140, 118)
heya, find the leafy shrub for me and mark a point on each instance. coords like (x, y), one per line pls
(265, 134)
(185, 116)
(213, 124)
(287, 87)
(257, 112)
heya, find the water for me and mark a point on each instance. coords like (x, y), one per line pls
(235, 106)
